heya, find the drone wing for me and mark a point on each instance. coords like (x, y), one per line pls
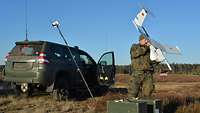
(165, 48)
(172, 49)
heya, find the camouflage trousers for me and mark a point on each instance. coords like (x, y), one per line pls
(141, 84)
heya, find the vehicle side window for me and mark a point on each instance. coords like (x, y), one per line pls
(85, 59)
(57, 52)
(67, 55)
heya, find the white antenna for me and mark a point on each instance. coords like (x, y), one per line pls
(56, 24)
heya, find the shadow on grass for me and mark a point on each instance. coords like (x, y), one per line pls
(83, 95)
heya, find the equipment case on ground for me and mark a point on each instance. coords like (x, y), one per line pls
(134, 106)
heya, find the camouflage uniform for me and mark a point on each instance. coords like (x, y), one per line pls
(141, 82)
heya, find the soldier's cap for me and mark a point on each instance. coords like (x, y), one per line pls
(142, 36)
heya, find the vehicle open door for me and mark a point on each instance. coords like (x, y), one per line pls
(106, 69)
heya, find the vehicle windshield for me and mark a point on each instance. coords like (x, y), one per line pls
(26, 50)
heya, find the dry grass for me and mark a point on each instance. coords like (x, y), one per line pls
(177, 78)
(192, 108)
(180, 94)
(101, 103)
(43, 104)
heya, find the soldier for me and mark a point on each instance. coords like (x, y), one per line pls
(141, 83)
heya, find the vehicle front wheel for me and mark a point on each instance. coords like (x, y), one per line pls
(60, 94)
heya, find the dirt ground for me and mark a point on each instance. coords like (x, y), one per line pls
(170, 87)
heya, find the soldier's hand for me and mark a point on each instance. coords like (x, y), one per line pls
(148, 43)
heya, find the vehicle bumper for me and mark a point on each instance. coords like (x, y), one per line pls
(33, 76)
(20, 80)
(23, 78)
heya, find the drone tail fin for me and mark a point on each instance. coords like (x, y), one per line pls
(139, 19)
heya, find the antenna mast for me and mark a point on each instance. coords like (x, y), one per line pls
(26, 20)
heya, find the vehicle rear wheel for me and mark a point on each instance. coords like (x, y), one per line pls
(20, 92)
(60, 94)
(60, 91)
(56, 95)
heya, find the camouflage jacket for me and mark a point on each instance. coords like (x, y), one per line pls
(140, 58)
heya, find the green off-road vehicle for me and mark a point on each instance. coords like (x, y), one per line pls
(46, 66)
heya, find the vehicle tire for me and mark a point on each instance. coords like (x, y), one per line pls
(60, 91)
(65, 94)
(16, 90)
(26, 94)
(102, 90)
(60, 94)
(56, 95)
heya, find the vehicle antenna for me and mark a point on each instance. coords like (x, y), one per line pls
(26, 20)
(56, 24)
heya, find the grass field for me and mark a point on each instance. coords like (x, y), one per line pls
(179, 93)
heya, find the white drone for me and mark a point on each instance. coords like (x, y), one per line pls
(157, 50)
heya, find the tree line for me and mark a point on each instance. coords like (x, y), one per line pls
(193, 69)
